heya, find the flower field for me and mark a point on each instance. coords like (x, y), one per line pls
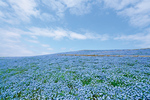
(53, 77)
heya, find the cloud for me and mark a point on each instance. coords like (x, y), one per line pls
(142, 39)
(24, 8)
(74, 35)
(55, 5)
(78, 7)
(22, 11)
(11, 45)
(119, 4)
(32, 41)
(34, 37)
(11, 49)
(46, 53)
(9, 37)
(17, 42)
(138, 11)
(60, 33)
(138, 14)
(50, 49)
(46, 32)
(55, 33)
(47, 47)
(63, 49)
(3, 4)
(18, 10)
(47, 17)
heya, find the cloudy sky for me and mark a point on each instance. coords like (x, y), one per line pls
(37, 27)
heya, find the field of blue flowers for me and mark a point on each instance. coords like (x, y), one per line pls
(76, 77)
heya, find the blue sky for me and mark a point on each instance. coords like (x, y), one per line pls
(38, 27)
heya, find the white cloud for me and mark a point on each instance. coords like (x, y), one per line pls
(63, 49)
(8, 38)
(138, 11)
(50, 49)
(144, 39)
(57, 33)
(139, 14)
(56, 6)
(46, 32)
(11, 45)
(34, 37)
(32, 41)
(18, 11)
(24, 8)
(72, 3)
(74, 35)
(3, 4)
(46, 53)
(11, 49)
(1, 14)
(119, 4)
(16, 42)
(102, 37)
(78, 7)
(9, 34)
(47, 17)
(62, 33)
(45, 45)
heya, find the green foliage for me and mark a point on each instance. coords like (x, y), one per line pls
(44, 81)
(73, 72)
(32, 65)
(129, 75)
(104, 71)
(130, 64)
(86, 81)
(56, 80)
(96, 96)
(61, 94)
(147, 65)
(16, 70)
(12, 71)
(70, 85)
(100, 81)
(117, 83)
(76, 77)
(19, 94)
(148, 74)
(59, 68)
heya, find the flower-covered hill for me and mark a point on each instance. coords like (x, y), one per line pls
(52, 77)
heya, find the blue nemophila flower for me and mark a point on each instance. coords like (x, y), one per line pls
(76, 77)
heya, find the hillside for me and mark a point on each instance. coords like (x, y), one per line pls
(76, 77)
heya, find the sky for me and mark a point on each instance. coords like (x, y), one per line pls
(39, 27)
